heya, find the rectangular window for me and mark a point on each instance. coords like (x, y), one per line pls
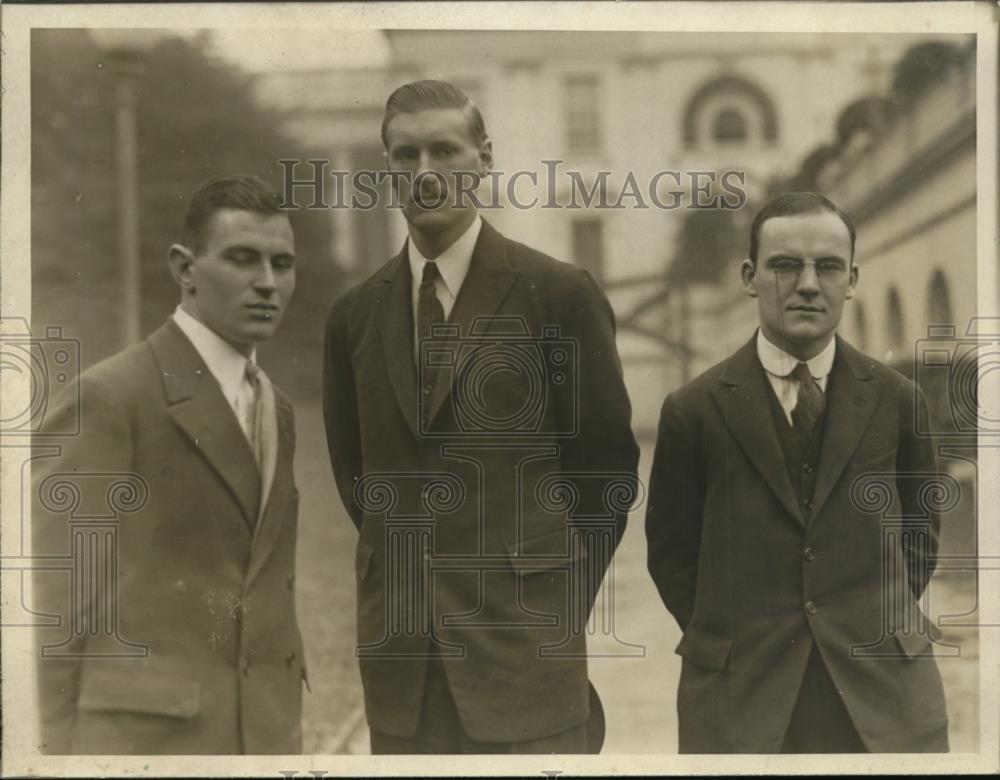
(588, 245)
(583, 115)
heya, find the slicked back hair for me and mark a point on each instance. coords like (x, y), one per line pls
(429, 95)
(792, 205)
(244, 193)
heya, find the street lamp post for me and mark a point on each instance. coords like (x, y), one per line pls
(126, 50)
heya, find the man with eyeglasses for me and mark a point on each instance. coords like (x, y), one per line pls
(802, 628)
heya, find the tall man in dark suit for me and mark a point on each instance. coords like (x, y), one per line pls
(196, 649)
(777, 575)
(472, 389)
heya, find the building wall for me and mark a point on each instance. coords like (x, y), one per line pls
(914, 191)
(649, 91)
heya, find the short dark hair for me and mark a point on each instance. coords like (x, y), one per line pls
(427, 95)
(791, 205)
(245, 193)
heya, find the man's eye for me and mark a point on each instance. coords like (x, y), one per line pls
(283, 263)
(829, 268)
(786, 265)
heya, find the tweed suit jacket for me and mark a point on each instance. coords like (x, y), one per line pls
(755, 577)
(198, 650)
(509, 472)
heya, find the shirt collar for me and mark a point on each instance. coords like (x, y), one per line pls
(226, 363)
(453, 263)
(779, 363)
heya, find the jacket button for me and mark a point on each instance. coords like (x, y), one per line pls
(246, 667)
(291, 581)
(808, 554)
(289, 660)
(807, 468)
(808, 504)
(427, 390)
(811, 608)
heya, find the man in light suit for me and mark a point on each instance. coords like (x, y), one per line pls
(471, 385)
(196, 649)
(778, 575)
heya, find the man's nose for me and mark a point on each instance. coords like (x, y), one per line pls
(264, 280)
(426, 163)
(808, 280)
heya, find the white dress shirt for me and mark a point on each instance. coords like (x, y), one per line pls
(225, 363)
(779, 365)
(453, 266)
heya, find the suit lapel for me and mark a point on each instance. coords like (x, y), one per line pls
(852, 396)
(741, 397)
(274, 513)
(199, 409)
(395, 323)
(486, 285)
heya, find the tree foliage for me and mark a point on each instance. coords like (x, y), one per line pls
(197, 119)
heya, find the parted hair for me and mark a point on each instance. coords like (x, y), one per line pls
(242, 192)
(429, 94)
(792, 205)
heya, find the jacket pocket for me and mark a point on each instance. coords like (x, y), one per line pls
(140, 690)
(705, 650)
(557, 549)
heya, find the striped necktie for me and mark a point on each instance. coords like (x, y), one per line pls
(809, 405)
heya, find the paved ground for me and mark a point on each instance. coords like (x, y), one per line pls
(637, 678)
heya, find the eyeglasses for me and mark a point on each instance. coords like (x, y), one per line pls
(788, 269)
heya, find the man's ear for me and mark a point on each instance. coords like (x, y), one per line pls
(485, 157)
(180, 259)
(748, 272)
(852, 282)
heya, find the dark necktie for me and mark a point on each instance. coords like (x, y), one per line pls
(429, 312)
(429, 308)
(810, 403)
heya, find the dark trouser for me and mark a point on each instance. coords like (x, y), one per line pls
(820, 722)
(440, 730)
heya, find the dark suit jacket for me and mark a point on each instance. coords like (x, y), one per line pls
(753, 583)
(496, 535)
(213, 602)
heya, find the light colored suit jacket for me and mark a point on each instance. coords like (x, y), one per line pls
(197, 649)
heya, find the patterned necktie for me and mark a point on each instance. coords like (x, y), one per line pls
(810, 403)
(263, 429)
(253, 417)
(429, 312)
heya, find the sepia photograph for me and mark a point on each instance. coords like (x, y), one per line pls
(460, 389)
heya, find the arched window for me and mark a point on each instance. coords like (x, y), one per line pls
(894, 321)
(729, 109)
(729, 126)
(939, 301)
(861, 325)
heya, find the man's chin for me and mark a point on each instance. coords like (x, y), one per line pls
(429, 220)
(256, 332)
(804, 338)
